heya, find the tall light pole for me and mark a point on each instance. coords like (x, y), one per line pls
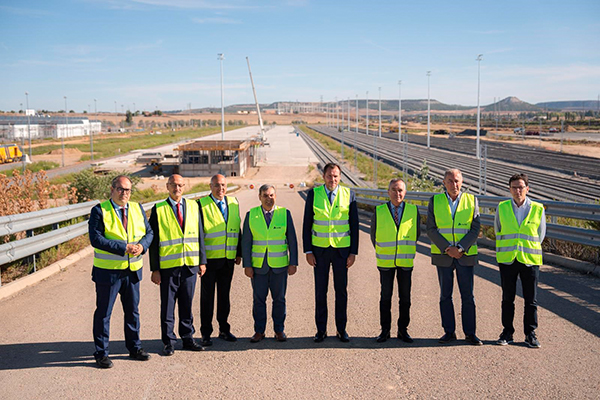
(92, 132)
(428, 110)
(28, 122)
(22, 144)
(62, 137)
(116, 113)
(478, 59)
(399, 111)
(356, 134)
(221, 57)
(380, 111)
(367, 105)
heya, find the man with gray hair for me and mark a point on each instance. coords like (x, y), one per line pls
(270, 253)
(453, 227)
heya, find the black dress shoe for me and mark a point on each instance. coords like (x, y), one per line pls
(320, 336)
(383, 336)
(405, 337)
(104, 362)
(139, 354)
(206, 341)
(168, 350)
(192, 345)
(474, 340)
(447, 338)
(227, 336)
(343, 336)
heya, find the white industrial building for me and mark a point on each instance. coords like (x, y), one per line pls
(12, 128)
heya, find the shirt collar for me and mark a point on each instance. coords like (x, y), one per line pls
(334, 191)
(118, 207)
(172, 202)
(457, 197)
(270, 212)
(525, 203)
(218, 201)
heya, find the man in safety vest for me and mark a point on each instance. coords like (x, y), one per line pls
(120, 234)
(330, 237)
(453, 227)
(520, 227)
(177, 254)
(270, 252)
(395, 229)
(220, 216)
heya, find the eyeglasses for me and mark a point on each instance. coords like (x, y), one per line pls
(123, 190)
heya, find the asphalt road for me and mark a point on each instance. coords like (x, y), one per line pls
(46, 342)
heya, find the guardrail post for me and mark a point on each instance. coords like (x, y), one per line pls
(32, 258)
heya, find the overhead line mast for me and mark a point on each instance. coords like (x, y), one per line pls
(262, 128)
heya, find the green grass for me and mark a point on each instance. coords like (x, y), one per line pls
(41, 165)
(107, 146)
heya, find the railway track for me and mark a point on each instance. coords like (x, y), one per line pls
(545, 185)
(570, 164)
(325, 157)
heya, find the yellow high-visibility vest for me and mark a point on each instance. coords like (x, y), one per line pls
(113, 230)
(271, 240)
(178, 248)
(220, 239)
(454, 229)
(396, 246)
(520, 242)
(331, 225)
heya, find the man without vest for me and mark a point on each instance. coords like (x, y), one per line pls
(220, 216)
(453, 227)
(520, 227)
(330, 236)
(177, 254)
(270, 252)
(120, 234)
(395, 229)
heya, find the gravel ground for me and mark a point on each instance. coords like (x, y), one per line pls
(46, 343)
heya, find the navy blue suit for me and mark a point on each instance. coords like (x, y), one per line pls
(337, 259)
(110, 283)
(176, 284)
(267, 278)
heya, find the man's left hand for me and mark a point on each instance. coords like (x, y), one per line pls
(350, 261)
(238, 260)
(202, 269)
(292, 269)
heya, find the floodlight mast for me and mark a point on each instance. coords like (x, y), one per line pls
(262, 128)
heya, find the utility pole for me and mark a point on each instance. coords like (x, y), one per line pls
(428, 110)
(478, 59)
(220, 57)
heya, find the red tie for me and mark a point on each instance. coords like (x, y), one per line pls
(179, 215)
(124, 215)
(396, 215)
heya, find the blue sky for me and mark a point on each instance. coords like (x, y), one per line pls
(163, 53)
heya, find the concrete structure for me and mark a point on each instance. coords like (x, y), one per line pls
(209, 157)
(12, 128)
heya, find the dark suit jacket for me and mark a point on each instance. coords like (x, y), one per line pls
(444, 260)
(290, 236)
(309, 217)
(154, 246)
(239, 246)
(99, 241)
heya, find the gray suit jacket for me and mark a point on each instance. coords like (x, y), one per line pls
(444, 260)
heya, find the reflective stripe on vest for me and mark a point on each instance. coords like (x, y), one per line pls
(271, 240)
(220, 239)
(454, 229)
(178, 248)
(331, 225)
(113, 230)
(520, 242)
(396, 246)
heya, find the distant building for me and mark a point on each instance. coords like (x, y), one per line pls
(15, 127)
(210, 157)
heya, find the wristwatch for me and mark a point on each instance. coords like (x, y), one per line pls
(460, 249)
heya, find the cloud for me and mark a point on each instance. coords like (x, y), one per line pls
(197, 4)
(215, 20)
(377, 46)
(553, 73)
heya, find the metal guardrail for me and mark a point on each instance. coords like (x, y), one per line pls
(16, 250)
(588, 212)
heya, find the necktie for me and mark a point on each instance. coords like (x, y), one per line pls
(330, 197)
(268, 216)
(124, 217)
(179, 215)
(222, 207)
(396, 215)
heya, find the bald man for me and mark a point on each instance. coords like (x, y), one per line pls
(222, 236)
(177, 256)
